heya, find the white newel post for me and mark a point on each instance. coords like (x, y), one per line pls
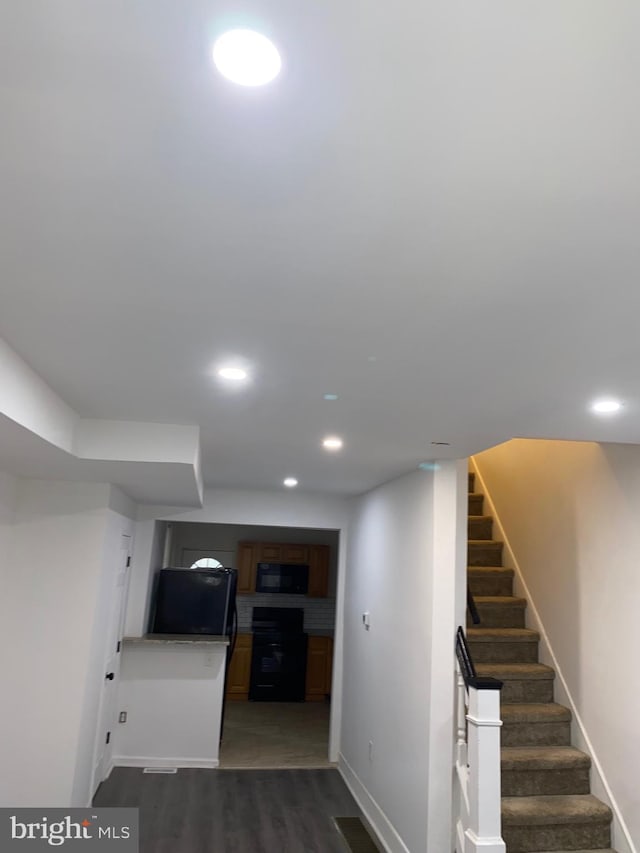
(483, 835)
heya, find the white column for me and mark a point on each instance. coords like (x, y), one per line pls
(484, 832)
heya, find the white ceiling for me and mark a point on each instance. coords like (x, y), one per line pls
(433, 213)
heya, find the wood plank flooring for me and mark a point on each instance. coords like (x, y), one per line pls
(233, 811)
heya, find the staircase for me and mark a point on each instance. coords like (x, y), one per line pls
(546, 804)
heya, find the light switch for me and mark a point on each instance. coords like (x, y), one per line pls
(366, 619)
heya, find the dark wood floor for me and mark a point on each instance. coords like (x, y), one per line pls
(233, 811)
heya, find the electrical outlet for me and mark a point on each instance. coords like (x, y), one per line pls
(122, 717)
(370, 750)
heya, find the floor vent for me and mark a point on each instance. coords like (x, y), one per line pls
(355, 835)
(160, 770)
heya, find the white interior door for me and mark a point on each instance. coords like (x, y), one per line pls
(111, 669)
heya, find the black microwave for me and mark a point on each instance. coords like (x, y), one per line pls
(289, 578)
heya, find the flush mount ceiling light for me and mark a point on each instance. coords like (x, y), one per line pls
(232, 373)
(246, 57)
(330, 396)
(291, 482)
(607, 406)
(332, 442)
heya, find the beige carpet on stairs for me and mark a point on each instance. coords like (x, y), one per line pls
(547, 806)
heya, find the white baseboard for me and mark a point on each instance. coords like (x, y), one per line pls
(146, 761)
(381, 826)
(620, 835)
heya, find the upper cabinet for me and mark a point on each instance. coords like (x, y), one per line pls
(318, 571)
(246, 565)
(315, 556)
(295, 553)
(274, 552)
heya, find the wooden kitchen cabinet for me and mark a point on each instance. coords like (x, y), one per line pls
(277, 552)
(318, 571)
(295, 554)
(319, 668)
(269, 552)
(315, 556)
(246, 565)
(239, 674)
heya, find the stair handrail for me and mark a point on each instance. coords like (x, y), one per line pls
(472, 608)
(478, 824)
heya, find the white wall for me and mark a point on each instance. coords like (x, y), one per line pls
(8, 499)
(405, 561)
(50, 598)
(173, 699)
(29, 401)
(135, 441)
(571, 514)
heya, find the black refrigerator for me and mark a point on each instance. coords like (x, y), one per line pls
(195, 601)
(198, 601)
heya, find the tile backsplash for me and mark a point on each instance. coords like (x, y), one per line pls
(319, 613)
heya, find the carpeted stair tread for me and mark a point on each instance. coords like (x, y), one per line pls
(515, 671)
(489, 571)
(490, 580)
(484, 552)
(480, 527)
(534, 712)
(500, 611)
(542, 758)
(502, 635)
(543, 811)
(497, 601)
(475, 503)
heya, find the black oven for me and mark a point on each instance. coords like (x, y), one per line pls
(282, 577)
(279, 657)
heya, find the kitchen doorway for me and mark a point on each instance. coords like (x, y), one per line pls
(271, 734)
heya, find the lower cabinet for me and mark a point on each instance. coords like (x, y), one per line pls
(319, 668)
(239, 674)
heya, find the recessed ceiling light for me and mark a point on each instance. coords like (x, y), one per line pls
(606, 407)
(332, 442)
(291, 482)
(246, 57)
(330, 396)
(233, 374)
